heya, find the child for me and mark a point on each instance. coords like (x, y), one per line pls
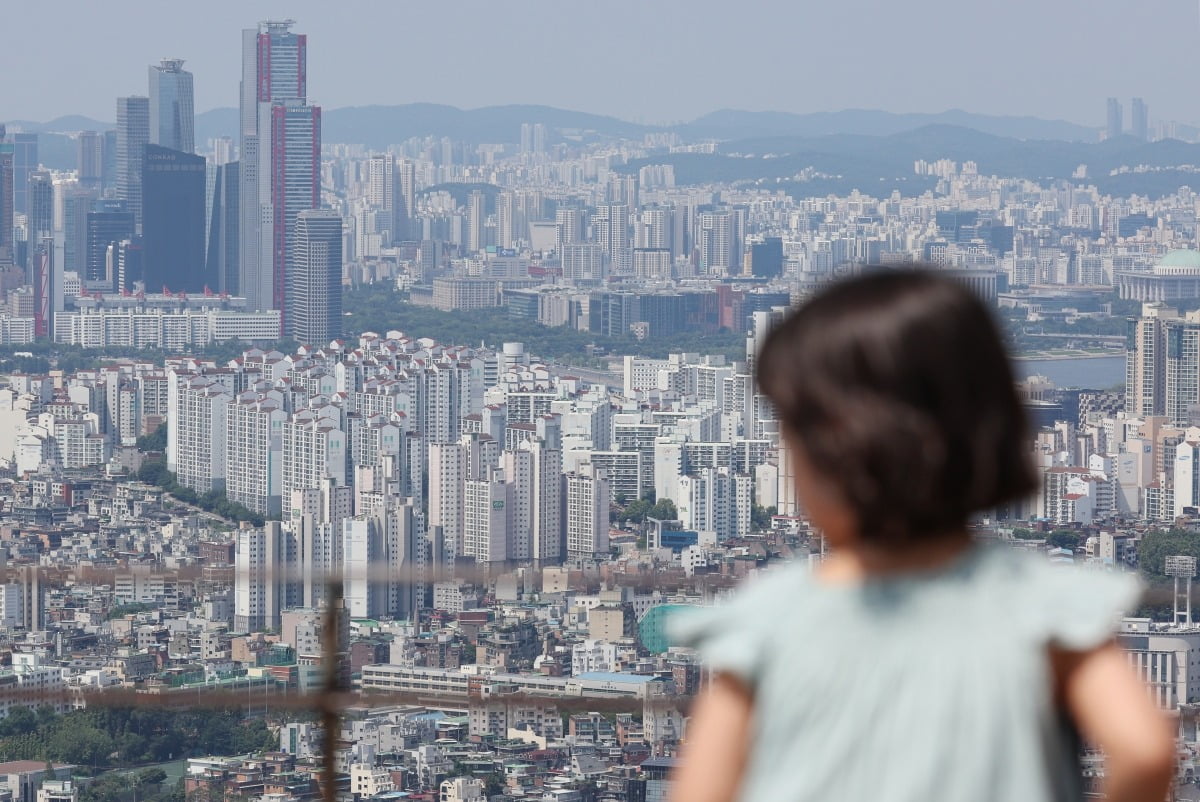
(912, 664)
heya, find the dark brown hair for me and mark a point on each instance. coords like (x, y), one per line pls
(898, 390)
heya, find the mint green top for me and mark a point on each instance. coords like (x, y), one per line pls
(927, 687)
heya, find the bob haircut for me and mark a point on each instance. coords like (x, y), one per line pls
(897, 389)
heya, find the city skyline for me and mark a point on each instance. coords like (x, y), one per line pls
(795, 68)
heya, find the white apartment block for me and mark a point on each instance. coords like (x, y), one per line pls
(253, 452)
(587, 514)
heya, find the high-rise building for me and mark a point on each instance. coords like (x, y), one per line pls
(46, 278)
(314, 289)
(91, 159)
(173, 221)
(133, 134)
(108, 223)
(40, 214)
(568, 224)
(583, 264)
(77, 205)
(253, 453)
(766, 258)
(25, 162)
(314, 450)
(1145, 372)
(264, 561)
(172, 117)
(486, 518)
(612, 234)
(280, 147)
(476, 218)
(1139, 119)
(1115, 119)
(221, 253)
(8, 251)
(404, 200)
(587, 513)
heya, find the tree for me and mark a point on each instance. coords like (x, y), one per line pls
(1064, 539)
(1155, 547)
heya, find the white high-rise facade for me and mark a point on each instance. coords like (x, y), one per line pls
(314, 449)
(264, 581)
(253, 453)
(197, 431)
(587, 514)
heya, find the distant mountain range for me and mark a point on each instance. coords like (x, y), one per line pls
(380, 126)
(805, 154)
(880, 164)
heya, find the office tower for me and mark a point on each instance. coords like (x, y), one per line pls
(766, 258)
(25, 162)
(108, 223)
(280, 148)
(40, 214)
(583, 264)
(1139, 119)
(587, 513)
(8, 251)
(108, 177)
(1115, 119)
(314, 297)
(47, 286)
(221, 253)
(476, 218)
(133, 133)
(526, 137)
(265, 562)
(173, 221)
(91, 159)
(77, 205)
(172, 118)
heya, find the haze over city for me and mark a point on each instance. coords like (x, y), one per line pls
(651, 62)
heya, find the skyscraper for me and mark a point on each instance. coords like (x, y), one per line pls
(77, 203)
(133, 133)
(40, 213)
(1139, 119)
(25, 161)
(91, 159)
(1115, 119)
(476, 239)
(108, 223)
(280, 146)
(172, 118)
(221, 254)
(7, 244)
(173, 220)
(314, 297)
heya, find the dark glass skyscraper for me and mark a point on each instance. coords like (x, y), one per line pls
(40, 213)
(314, 290)
(7, 247)
(133, 133)
(110, 222)
(91, 159)
(172, 118)
(221, 259)
(173, 221)
(77, 204)
(766, 257)
(25, 161)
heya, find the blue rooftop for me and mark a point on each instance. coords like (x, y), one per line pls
(615, 676)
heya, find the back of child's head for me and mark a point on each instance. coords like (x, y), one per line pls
(897, 390)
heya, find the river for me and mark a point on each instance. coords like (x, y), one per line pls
(1091, 373)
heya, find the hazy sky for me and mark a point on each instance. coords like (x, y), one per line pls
(645, 60)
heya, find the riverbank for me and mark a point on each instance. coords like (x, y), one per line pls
(1050, 356)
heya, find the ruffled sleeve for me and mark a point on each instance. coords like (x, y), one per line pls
(1082, 608)
(734, 636)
